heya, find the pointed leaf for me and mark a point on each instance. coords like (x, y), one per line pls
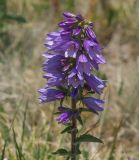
(67, 129)
(61, 152)
(56, 113)
(68, 158)
(88, 110)
(80, 120)
(19, 19)
(78, 148)
(88, 138)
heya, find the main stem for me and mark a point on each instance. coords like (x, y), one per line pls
(73, 133)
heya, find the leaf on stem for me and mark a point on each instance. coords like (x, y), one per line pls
(67, 129)
(80, 120)
(87, 110)
(61, 152)
(88, 138)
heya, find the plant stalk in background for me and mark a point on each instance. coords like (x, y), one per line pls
(71, 67)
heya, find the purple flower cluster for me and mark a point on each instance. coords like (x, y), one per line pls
(73, 54)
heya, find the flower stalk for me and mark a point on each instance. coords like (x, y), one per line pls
(71, 69)
(73, 132)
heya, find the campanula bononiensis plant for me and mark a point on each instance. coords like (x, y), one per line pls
(71, 62)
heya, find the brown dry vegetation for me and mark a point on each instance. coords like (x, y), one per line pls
(27, 129)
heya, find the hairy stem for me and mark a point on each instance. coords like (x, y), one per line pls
(73, 133)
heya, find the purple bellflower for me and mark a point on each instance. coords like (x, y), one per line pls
(65, 115)
(83, 65)
(48, 94)
(93, 103)
(73, 54)
(95, 83)
(71, 49)
(75, 79)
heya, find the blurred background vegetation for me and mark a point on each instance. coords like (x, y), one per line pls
(27, 129)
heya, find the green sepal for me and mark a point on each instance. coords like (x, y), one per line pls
(88, 138)
(61, 152)
(56, 113)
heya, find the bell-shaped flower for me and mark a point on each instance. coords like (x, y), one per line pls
(95, 83)
(54, 63)
(83, 65)
(93, 103)
(94, 51)
(90, 33)
(71, 49)
(65, 115)
(75, 79)
(50, 94)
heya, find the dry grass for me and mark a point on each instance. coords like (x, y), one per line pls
(36, 132)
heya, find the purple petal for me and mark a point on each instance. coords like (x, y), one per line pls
(54, 63)
(66, 114)
(82, 58)
(75, 79)
(55, 81)
(83, 65)
(67, 23)
(74, 93)
(95, 83)
(48, 94)
(65, 34)
(53, 34)
(76, 31)
(94, 51)
(72, 48)
(79, 17)
(100, 59)
(90, 33)
(69, 15)
(94, 103)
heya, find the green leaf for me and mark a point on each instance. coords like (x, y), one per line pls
(78, 148)
(3, 8)
(61, 152)
(56, 113)
(88, 138)
(68, 158)
(19, 19)
(87, 110)
(67, 129)
(80, 120)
